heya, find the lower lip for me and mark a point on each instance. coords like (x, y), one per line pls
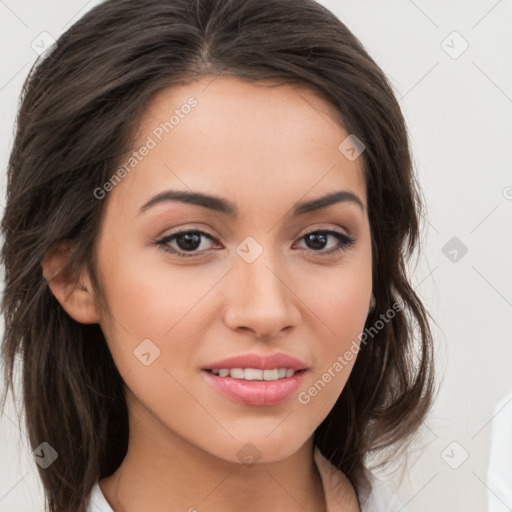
(256, 392)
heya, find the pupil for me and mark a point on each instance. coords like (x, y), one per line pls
(314, 237)
(192, 241)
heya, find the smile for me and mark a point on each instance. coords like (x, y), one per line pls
(254, 373)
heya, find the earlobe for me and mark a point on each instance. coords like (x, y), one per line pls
(73, 292)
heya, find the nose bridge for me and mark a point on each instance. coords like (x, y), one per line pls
(263, 279)
(261, 300)
(259, 270)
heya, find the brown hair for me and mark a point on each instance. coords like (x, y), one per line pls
(79, 110)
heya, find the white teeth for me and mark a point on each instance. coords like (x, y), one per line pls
(254, 374)
(237, 373)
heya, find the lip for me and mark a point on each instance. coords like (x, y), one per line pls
(256, 392)
(259, 362)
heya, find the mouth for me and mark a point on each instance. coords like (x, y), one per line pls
(254, 374)
(248, 386)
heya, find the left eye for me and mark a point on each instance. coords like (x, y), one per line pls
(188, 241)
(320, 237)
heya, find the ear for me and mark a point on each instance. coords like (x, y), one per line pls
(73, 292)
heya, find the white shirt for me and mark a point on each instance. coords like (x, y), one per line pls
(375, 497)
(499, 472)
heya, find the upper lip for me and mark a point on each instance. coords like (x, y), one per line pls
(269, 362)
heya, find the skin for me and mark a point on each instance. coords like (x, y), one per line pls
(264, 149)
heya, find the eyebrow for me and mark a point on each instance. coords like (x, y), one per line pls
(226, 207)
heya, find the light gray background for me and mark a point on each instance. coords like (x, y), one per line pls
(459, 114)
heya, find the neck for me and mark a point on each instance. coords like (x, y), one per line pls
(162, 472)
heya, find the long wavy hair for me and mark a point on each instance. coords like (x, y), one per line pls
(78, 115)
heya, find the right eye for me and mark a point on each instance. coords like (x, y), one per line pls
(188, 241)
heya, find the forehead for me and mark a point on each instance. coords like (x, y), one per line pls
(242, 139)
(245, 96)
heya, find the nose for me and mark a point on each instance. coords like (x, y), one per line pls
(262, 300)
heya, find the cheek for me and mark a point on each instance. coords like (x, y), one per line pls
(161, 303)
(339, 298)
(165, 300)
(339, 302)
(339, 320)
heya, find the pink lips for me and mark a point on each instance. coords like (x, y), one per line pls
(256, 392)
(270, 362)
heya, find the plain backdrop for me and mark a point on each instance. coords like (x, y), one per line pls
(451, 67)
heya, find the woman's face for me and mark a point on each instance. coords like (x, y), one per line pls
(251, 281)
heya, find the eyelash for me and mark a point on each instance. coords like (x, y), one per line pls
(345, 240)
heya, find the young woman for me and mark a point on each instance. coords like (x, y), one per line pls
(210, 207)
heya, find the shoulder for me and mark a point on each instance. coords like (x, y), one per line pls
(373, 495)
